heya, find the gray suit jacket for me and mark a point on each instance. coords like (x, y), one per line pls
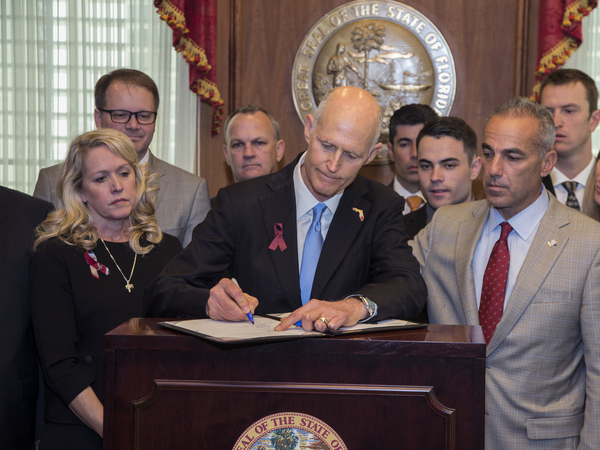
(182, 201)
(543, 362)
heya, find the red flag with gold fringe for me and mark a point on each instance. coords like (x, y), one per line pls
(194, 25)
(559, 34)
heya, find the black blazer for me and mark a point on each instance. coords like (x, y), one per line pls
(415, 221)
(369, 256)
(548, 183)
(20, 214)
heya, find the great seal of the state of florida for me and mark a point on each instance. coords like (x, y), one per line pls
(387, 48)
(289, 431)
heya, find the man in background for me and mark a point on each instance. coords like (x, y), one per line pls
(127, 100)
(447, 165)
(20, 214)
(252, 146)
(571, 97)
(404, 128)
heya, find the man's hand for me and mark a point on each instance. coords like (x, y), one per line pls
(319, 315)
(228, 302)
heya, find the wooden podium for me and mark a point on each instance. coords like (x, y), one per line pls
(412, 389)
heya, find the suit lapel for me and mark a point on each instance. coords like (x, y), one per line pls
(468, 237)
(548, 244)
(342, 233)
(155, 167)
(279, 206)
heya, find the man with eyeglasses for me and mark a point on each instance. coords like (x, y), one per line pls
(127, 100)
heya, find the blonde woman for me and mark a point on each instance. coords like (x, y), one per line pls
(591, 198)
(94, 257)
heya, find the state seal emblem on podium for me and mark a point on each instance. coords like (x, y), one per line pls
(289, 431)
(387, 48)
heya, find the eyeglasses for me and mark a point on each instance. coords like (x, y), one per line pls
(122, 116)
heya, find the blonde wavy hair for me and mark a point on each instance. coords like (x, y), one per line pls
(73, 223)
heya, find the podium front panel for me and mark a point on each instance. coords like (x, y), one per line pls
(410, 389)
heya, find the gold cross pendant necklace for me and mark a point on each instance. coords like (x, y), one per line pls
(128, 285)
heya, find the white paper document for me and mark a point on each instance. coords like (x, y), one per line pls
(264, 329)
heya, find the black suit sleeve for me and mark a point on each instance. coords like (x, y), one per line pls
(395, 282)
(183, 288)
(54, 320)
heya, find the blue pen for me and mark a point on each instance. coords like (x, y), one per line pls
(249, 315)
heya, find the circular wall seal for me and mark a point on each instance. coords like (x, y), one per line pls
(289, 431)
(387, 48)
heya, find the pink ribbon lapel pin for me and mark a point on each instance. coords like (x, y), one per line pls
(278, 240)
(95, 266)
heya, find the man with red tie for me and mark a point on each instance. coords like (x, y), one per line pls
(527, 269)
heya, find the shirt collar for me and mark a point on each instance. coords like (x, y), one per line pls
(522, 222)
(558, 177)
(405, 192)
(305, 201)
(146, 157)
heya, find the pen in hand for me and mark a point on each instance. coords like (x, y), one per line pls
(249, 315)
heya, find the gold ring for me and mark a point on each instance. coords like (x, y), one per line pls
(324, 320)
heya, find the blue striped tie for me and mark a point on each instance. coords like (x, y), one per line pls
(312, 250)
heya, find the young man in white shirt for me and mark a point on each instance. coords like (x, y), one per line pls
(571, 97)
(404, 128)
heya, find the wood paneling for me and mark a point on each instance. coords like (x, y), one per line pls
(493, 44)
(423, 388)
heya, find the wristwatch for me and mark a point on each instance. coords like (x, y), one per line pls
(370, 306)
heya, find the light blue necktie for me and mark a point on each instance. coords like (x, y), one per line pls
(312, 250)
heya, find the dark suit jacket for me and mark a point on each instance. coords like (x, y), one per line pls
(548, 184)
(19, 216)
(369, 257)
(415, 221)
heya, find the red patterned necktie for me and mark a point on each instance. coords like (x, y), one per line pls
(494, 285)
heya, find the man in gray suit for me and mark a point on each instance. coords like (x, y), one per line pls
(127, 100)
(532, 286)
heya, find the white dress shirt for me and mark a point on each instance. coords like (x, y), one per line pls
(305, 202)
(404, 193)
(558, 178)
(146, 158)
(525, 225)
